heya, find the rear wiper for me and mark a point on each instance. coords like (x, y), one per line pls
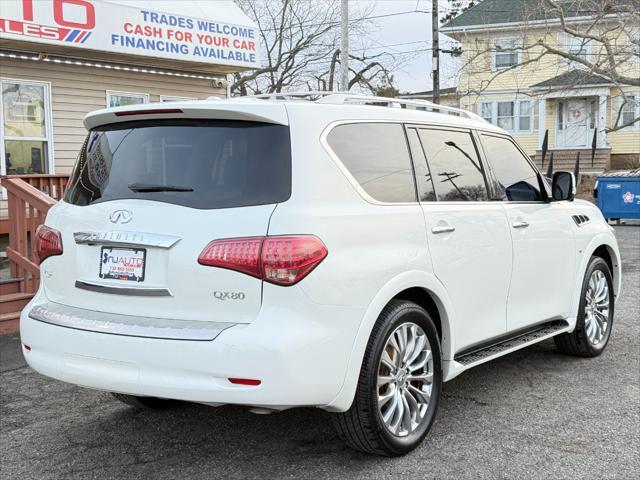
(151, 187)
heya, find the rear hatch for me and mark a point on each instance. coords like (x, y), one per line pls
(146, 197)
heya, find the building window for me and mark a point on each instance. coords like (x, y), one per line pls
(577, 46)
(121, 99)
(513, 115)
(26, 130)
(506, 112)
(486, 111)
(524, 116)
(169, 98)
(625, 110)
(506, 53)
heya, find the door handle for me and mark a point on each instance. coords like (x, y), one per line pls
(520, 224)
(443, 229)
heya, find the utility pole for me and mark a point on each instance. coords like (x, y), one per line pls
(344, 49)
(435, 21)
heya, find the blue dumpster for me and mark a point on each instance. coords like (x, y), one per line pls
(618, 194)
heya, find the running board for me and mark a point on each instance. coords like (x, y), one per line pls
(521, 340)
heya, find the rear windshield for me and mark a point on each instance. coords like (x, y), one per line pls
(195, 163)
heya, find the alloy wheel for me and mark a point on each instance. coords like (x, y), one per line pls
(405, 379)
(596, 311)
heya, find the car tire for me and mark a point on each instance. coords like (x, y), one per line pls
(593, 327)
(152, 403)
(364, 427)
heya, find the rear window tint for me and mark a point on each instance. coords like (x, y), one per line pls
(377, 156)
(204, 164)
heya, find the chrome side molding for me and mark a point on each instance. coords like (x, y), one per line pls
(128, 325)
(123, 290)
(125, 238)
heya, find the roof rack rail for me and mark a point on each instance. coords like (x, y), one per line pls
(341, 98)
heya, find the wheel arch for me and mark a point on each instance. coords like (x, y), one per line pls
(421, 288)
(605, 247)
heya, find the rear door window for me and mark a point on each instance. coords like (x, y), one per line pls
(454, 164)
(204, 164)
(377, 156)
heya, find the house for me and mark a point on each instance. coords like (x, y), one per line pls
(511, 77)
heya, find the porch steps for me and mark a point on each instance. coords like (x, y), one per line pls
(9, 323)
(566, 160)
(11, 304)
(11, 285)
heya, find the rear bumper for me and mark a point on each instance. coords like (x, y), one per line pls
(128, 325)
(299, 352)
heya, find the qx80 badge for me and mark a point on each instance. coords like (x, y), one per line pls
(223, 296)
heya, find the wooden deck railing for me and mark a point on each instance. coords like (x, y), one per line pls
(53, 185)
(29, 199)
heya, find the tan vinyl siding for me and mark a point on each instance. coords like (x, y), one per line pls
(78, 90)
(626, 140)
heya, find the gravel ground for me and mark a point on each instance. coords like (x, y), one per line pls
(533, 414)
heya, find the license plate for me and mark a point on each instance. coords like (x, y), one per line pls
(122, 263)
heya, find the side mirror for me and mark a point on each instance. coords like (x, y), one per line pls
(563, 186)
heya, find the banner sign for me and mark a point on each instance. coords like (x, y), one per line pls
(110, 27)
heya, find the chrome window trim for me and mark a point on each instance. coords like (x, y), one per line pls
(123, 290)
(126, 325)
(125, 238)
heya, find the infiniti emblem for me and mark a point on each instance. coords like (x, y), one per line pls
(121, 216)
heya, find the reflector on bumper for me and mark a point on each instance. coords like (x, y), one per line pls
(129, 325)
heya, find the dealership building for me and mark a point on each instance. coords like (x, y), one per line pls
(61, 59)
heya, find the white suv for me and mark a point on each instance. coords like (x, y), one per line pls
(338, 253)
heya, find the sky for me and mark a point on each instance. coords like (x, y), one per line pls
(410, 34)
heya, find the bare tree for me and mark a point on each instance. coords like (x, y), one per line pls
(300, 49)
(457, 7)
(601, 37)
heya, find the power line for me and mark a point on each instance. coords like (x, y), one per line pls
(355, 20)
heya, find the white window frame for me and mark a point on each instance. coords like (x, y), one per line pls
(564, 41)
(516, 113)
(518, 53)
(175, 98)
(48, 126)
(109, 93)
(615, 107)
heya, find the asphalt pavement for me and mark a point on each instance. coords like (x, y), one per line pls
(533, 414)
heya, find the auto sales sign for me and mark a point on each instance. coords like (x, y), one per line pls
(112, 27)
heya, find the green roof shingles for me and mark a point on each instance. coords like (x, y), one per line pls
(489, 12)
(573, 78)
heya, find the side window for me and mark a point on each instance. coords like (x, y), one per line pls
(377, 156)
(454, 165)
(516, 178)
(423, 175)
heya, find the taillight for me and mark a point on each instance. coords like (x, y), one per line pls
(48, 242)
(282, 260)
(241, 254)
(287, 260)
